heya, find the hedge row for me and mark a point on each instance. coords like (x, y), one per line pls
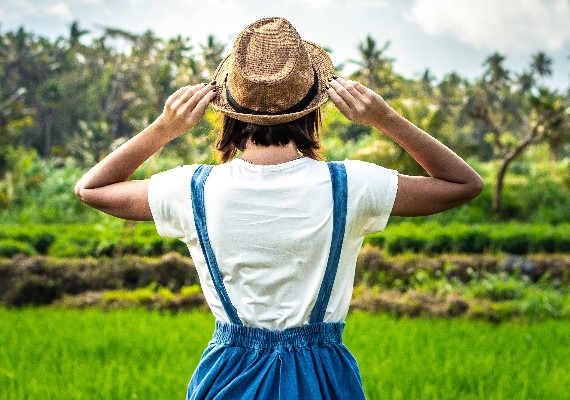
(72, 241)
(142, 239)
(536, 304)
(41, 280)
(532, 306)
(509, 238)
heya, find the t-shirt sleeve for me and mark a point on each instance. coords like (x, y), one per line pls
(169, 198)
(371, 194)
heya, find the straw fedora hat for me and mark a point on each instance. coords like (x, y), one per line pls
(272, 76)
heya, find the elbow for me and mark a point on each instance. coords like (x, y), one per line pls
(475, 187)
(80, 190)
(77, 190)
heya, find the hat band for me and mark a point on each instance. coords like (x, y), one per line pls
(300, 106)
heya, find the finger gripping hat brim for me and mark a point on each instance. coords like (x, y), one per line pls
(272, 76)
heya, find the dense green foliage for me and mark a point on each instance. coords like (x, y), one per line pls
(40, 280)
(116, 239)
(432, 238)
(140, 355)
(65, 104)
(494, 288)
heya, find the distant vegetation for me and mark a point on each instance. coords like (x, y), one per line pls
(108, 240)
(503, 257)
(66, 103)
(493, 287)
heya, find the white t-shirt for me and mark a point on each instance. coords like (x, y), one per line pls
(270, 227)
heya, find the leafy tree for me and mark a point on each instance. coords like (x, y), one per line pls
(212, 55)
(375, 69)
(516, 119)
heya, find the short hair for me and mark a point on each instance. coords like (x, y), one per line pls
(304, 132)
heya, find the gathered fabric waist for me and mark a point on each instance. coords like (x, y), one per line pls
(292, 339)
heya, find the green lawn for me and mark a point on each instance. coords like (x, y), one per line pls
(135, 354)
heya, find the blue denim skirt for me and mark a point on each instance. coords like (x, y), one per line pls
(308, 362)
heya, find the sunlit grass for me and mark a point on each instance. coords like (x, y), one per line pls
(459, 359)
(136, 354)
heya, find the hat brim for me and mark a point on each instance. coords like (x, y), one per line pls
(323, 67)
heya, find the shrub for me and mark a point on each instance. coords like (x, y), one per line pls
(498, 288)
(509, 238)
(40, 238)
(11, 247)
(540, 305)
(137, 297)
(54, 278)
(152, 297)
(114, 240)
(32, 290)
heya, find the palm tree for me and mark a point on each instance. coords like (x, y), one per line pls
(75, 34)
(495, 72)
(541, 64)
(373, 63)
(526, 81)
(212, 54)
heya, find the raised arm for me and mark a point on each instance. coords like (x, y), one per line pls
(106, 186)
(451, 182)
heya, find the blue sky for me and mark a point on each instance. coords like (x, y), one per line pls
(442, 35)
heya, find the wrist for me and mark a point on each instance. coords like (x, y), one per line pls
(384, 115)
(165, 129)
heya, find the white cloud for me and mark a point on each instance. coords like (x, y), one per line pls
(315, 3)
(59, 10)
(15, 10)
(507, 26)
(366, 3)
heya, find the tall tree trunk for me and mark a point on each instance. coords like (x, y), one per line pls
(498, 192)
(505, 162)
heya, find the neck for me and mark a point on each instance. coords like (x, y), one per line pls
(269, 155)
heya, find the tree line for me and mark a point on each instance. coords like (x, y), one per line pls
(73, 101)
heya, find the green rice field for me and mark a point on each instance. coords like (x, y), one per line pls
(50, 353)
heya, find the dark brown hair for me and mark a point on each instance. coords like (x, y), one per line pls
(304, 132)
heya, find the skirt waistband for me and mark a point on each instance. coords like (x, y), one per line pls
(323, 333)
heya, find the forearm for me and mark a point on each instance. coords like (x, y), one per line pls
(437, 159)
(122, 163)
(452, 181)
(183, 110)
(106, 186)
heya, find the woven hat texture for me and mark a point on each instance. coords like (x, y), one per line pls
(270, 74)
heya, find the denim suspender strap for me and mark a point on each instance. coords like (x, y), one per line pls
(340, 198)
(197, 187)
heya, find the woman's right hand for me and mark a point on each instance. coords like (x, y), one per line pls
(107, 187)
(185, 107)
(357, 102)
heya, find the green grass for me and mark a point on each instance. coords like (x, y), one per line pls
(459, 359)
(135, 354)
